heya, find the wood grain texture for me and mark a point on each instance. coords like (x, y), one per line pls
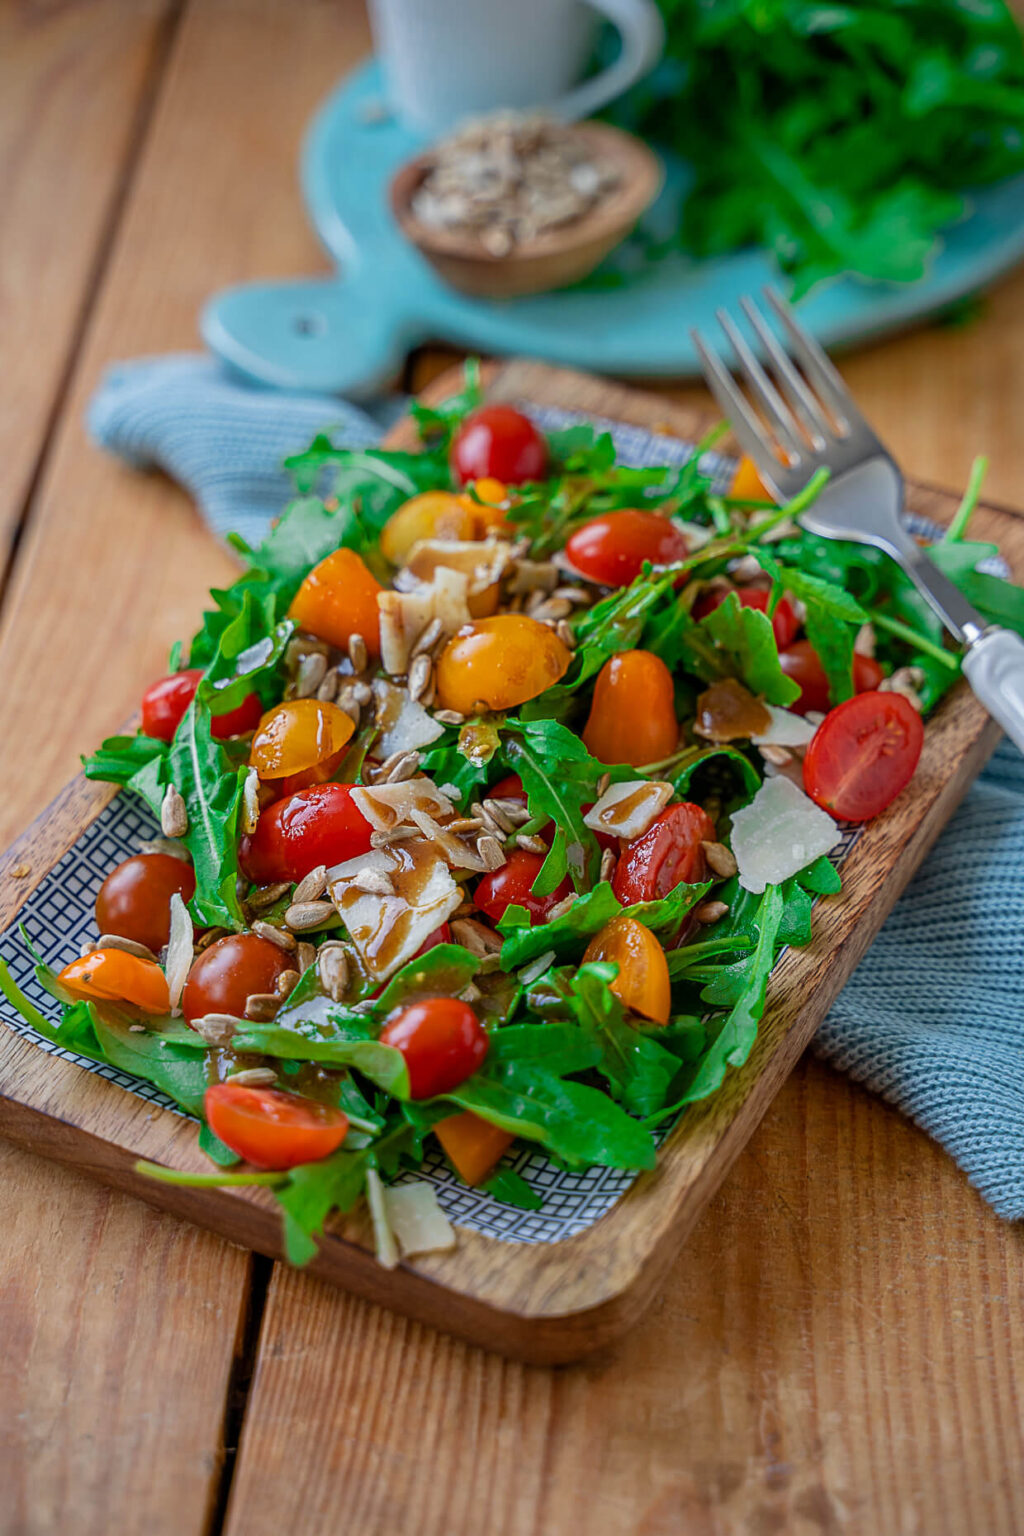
(75, 81)
(544, 1302)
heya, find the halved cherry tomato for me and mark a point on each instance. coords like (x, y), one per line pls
(300, 743)
(747, 484)
(785, 624)
(442, 1041)
(117, 976)
(231, 970)
(337, 600)
(801, 662)
(270, 1129)
(668, 854)
(498, 442)
(633, 717)
(612, 548)
(643, 983)
(432, 515)
(498, 663)
(321, 825)
(472, 1144)
(862, 754)
(512, 885)
(135, 898)
(164, 704)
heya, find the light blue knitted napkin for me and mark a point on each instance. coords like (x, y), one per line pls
(933, 1019)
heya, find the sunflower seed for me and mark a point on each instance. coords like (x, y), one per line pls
(374, 882)
(286, 983)
(358, 655)
(561, 908)
(399, 767)
(163, 845)
(530, 843)
(710, 911)
(312, 886)
(513, 810)
(464, 824)
(311, 673)
(276, 935)
(777, 756)
(554, 609)
(475, 936)
(496, 812)
(536, 968)
(490, 851)
(428, 638)
(533, 576)
(250, 801)
(574, 595)
(136, 1029)
(362, 692)
(348, 702)
(565, 633)
(721, 860)
(328, 690)
(602, 784)
(302, 916)
(115, 941)
(266, 895)
(173, 814)
(399, 834)
(262, 1006)
(864, 643)
(608, 863)
(333, 969)
(305, 955)
(209, 937)
(449, 717)
(253, 1077)
(420, 677)
(218, 1028)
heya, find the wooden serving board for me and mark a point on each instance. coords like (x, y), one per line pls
(541, 1302)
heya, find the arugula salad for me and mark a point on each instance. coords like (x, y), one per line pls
(489, 794)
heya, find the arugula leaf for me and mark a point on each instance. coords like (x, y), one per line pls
(510, 1188)
(745, 634)
(559, 777)
(201, 769)
(832, 620)
(587, 916)
(444, 971)
(342, 1046)
(637, 1069)
(215, 1148)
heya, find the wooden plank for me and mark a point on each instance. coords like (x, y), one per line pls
(75, 83)
(833, 1352)
(548, 1301)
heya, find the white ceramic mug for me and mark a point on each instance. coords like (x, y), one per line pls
(445, 60)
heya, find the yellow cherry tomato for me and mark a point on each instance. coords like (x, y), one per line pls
(633, 715)
(116, 976)
(337, 600)
(642, 984)
(486, 506)
(433, 515)
(499, 662)
(747, 484)
(300, 743)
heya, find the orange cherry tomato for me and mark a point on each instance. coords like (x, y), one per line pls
(633, 716)
(337, 600)
(747, 484)
(473, 1145)
(486, 506)
(499, 662)
(118, 977)
(270, 1129)
(433, 515)
(300, 743)
(135, 898)
(642, 984)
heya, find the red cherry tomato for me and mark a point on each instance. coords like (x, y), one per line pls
(863, 753)
(801, 663)
(500, 443)
(443, 1043)
(612, 549)
(668, 854)
(785, 624)
(512, 885)
(229, 971)
(270, 1129)
(320, 825)
(135, 898)
(508, 788)
(165, 702)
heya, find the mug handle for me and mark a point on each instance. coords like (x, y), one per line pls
(643, 37)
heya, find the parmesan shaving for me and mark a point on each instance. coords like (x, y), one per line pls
(416, 1219)
(404, 725)
(627, 809)
(779, 833)
(786, 729)
(405, 615)
(387, 1248)
(179, 952)
(385, 806)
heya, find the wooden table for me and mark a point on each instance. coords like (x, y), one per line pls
(837, 1348)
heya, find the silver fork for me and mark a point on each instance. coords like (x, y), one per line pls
(807, 420)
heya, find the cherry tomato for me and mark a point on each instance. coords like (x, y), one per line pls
(432, 515)
(498, 442)
(321, 825)
(499, 662)
(472, 1144)
(800, 662)
(117, 976)
(165, 702)
(508, 788)
(612, 548)
(633, 716)
(227, 973)
(862, 754)
(643, 983)
(300, 743)
(442, 1041)
(486, 505)
(747, 484)
(270, 1129)
(785, 624)
(135, 898)
(337, 600)
(512, 885)
(668, 854)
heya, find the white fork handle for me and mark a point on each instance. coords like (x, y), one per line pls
(994, 667)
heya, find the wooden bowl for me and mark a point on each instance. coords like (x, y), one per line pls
(550, 260)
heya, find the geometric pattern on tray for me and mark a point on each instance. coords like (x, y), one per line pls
(59, 920)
